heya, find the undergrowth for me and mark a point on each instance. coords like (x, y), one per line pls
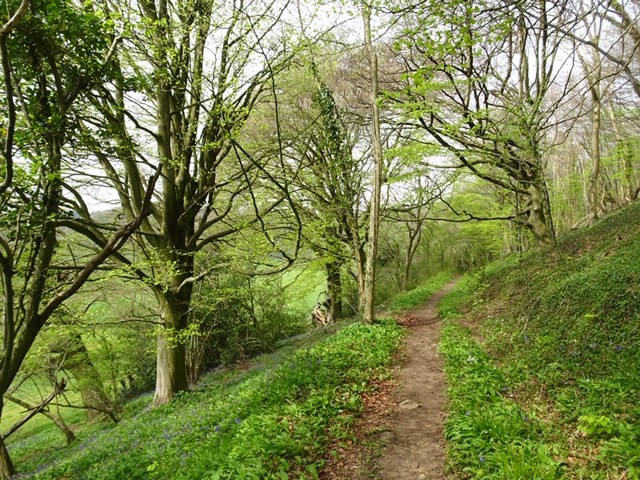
(549, 385)
(270, 423)
(489, 435)
(420, 294)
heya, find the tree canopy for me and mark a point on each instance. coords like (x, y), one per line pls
(214, 174)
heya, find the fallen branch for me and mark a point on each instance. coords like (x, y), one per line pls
(39, 408)
(58, 421)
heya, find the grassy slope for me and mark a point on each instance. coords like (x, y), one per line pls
(303, 288)
(548, 383)
(263, 423)
(272, 421)
(421, 294)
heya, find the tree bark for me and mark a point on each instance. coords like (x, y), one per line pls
(626, 156)
(79, 364)
(360, 257)
(536, 218)
(374, 211)
(57, 421)
(594, 186)
(171, 374)
(7, 469)
(415, 235)
(596, 114)
(406, 272)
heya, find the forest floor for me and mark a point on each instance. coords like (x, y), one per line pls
(401, 433)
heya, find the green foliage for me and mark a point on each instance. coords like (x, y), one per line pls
(563, 333)
(303, 287)
(324, 100)
(621, 450)
(452, 304)
(595, 426)
(57, 39)
(489, 435)
(421, 294)
(119, 335)
(268, 423)
(236, 317)
(473, 244)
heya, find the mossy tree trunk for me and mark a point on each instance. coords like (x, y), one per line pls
(536, 220)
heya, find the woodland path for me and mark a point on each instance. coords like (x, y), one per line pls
(415, 438)
(406, 414)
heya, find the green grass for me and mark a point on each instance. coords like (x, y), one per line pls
(557, 341)
(305, 286)
(273, 421)
(32, 392)
(453, 303)
(489, 435)
(420, 294)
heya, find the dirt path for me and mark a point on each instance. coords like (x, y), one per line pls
(415, 448)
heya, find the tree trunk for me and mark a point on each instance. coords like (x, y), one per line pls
(405, 274)
(626, 155)
(361, 263)
(92, 392)
(548, 215)
(7, 470)
(518, 227)
(57, 421)
(631, 193)
(171, 373)
(536, 219)
(415, 235)
(334, 292)
(374, 212)
(594, 190)
(594, 185)
(79, 364)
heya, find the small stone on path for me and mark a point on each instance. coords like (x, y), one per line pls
(409, 405)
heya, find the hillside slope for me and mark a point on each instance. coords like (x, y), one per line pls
(545, 363)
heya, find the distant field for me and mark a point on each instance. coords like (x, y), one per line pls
(32, 392)
(304, 287)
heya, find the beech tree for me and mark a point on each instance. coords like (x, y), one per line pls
(52, 57)
(374, 211)
(479, 83)
(190, 74)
